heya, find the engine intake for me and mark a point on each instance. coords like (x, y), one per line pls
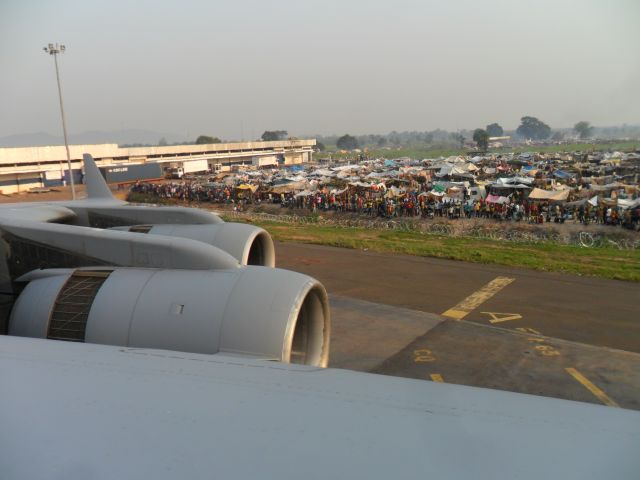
(268, 313)
(250, 245)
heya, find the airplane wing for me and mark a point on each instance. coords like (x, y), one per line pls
(36, 212)
(78, 411)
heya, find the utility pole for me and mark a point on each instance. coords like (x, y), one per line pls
(55, 49)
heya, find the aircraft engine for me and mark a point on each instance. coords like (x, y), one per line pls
(250, 245)
(260, 312)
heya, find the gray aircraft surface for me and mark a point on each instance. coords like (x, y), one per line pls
(161, 342)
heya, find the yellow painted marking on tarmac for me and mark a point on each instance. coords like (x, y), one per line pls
(436, 377)
(423, 355)
(497, 317)
(528, 330)
(603, 397)
(474, 300)
(455, 314)
(547, 350)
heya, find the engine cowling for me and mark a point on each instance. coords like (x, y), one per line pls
(267, 313)
(249, 244)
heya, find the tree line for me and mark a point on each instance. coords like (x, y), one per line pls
(530, 128)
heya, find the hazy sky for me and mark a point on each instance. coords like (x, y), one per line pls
(332, 66)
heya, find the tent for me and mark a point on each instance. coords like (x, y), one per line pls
(376, 175)
(245, 186)
(435, 193)
(395, 191)
(322, 172)
(562, 174)
(625, 204)
(553, 195)
(304, 193)
(497, 199)
(288, 187)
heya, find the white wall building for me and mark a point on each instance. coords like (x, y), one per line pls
(24, 168)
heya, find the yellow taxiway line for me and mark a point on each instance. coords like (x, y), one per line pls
(474, 300)
(603, 397)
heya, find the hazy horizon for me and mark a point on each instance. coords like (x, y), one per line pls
(233, 70)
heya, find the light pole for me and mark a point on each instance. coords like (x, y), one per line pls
(55, 49)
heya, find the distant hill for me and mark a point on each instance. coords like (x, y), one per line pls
(121, 137)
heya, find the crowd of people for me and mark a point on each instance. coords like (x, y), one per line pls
(412, 203)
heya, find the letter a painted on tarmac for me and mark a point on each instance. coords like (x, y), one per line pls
(497, 317)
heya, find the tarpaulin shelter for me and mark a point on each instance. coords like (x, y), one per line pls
(562, 174)
(623, 203)
(246, 186)
(304, 193)
(610, 186)
(322, 172)
(452, 170)
(395, 191)
(497, 199)
(434, 193)
(551, 195)
(376, 175)
(577, 203)
(288, 187)
(514, 180)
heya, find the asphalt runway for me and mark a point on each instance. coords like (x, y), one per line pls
(482, 325)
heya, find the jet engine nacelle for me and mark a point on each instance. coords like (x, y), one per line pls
(267, 313)
(250, 245)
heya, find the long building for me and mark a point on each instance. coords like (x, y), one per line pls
(25, 168)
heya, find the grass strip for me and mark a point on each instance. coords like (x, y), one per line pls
(545, 256)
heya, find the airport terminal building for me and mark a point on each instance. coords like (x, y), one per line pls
(25, 168)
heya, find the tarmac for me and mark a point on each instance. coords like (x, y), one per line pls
(512, 329)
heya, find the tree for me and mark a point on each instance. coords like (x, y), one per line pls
(394, 137)
(381, 142)
(347, 142)
(481, 137)
(584, 129)
(458, 138)
(274, 135)
(320, 146)
(205, 140)
(557, 136)
(495, 130)
(162, 142)
(531, 127)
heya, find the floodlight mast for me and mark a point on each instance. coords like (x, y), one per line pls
(54, 50)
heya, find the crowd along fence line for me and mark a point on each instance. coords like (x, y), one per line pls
(498, 232)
